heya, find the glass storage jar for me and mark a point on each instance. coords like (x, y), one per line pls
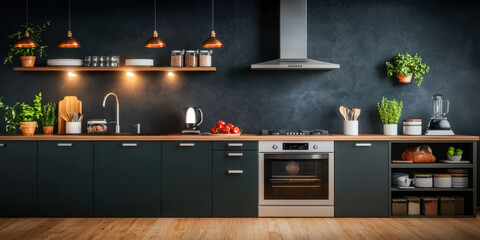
(205, 58)
(97, 126)
(191, 58)
(176, 59)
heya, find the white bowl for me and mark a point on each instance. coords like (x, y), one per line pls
(65, 62)
(454, 158)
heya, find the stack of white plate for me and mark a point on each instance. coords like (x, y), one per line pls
(459, 180)
(65, 62)
(139, 62)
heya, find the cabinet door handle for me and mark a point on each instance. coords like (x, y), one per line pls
(235, 144)
(235, 171)
(129, 145)
(235, 154)
(186, 144)
(3, 145)
(363, 144)
(64, 145)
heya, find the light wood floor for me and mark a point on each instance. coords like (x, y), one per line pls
(239, 228)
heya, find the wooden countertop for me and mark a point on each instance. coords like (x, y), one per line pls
(243, 137)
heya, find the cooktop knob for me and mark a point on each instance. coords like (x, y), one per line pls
(274, 146)
(315, 146)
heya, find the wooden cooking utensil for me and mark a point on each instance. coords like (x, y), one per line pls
(69, 104)
(357, 113)
(343, 112)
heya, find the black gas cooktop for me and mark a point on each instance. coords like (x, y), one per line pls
(316, 132)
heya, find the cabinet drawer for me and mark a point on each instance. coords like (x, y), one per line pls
(235, 184)
(234, 145)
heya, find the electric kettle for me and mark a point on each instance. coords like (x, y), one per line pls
(193, 118)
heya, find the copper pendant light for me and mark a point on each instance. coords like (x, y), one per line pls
(69, 41)
(212, 41)
(155, 41)
(27, 41)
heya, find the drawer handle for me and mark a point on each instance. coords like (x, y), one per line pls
(235, 154)
(235, 144)
(186, 144)
(363, 144)
(129, 145)
(64, 145)
(235, 171)
(3, 145)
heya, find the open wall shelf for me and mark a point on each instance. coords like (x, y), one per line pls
(115, 69)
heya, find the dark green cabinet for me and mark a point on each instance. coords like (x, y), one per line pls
(128, 180)
(187, 179)
(65, 179)
(235, 183)
(18, 179)
(361, 179)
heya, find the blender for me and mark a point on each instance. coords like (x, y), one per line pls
(439, 124)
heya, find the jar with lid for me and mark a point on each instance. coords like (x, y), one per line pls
(412, 126)
(205, 59)
(176, 60)
(191, 58)
(97, 126)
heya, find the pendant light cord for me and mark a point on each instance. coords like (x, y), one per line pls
(155, 13)
(213, 14)
(69, 13)
(26, 13)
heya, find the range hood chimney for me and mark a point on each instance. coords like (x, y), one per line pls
(293, 41)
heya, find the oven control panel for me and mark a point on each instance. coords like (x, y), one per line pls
(295, 146)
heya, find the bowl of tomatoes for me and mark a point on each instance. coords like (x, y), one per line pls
(225, 128)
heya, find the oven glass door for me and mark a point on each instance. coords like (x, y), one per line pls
(296, 176)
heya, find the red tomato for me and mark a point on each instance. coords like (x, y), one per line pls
(220, 123)
(213, 130)
(230, 125)
(226, 129)
(236, 130)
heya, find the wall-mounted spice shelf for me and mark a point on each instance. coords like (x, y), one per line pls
(115, 69)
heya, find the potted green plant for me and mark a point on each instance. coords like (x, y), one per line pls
(48, 118)
(407, 67)
(27, 55)
(390, 112)
(23, 115)
(454, 154)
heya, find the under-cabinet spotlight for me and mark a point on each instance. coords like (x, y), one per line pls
(71, 74)
(170, 74)
(130, 74)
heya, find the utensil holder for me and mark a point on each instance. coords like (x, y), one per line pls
(73, 128)
(350, 128)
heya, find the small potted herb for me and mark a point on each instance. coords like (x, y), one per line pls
(48, 118)
(390, 112)
(405, 67)
(23, 115)
(454, 154)
(27, 55)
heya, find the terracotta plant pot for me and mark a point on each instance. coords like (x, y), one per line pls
(27, 61)
(403, 79)
(47, 130)
(28, 128)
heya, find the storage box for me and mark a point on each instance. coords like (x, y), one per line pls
(399, 207)
(459, 205)
(447, 206)
(413, 205)
(430, 206)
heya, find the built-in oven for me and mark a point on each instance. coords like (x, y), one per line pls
(296, 179)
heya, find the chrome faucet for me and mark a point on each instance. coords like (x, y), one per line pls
(117, 127)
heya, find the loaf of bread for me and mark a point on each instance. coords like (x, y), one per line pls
(420, 154)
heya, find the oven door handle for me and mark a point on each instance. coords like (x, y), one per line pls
(296, 156)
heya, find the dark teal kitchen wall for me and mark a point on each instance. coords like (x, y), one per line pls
(358, 35)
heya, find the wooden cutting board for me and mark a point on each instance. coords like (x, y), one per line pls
(69, 104)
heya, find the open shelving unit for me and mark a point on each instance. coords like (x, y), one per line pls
(115, 69)
(439, 148)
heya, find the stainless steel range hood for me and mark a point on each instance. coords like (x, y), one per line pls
(293, 41)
